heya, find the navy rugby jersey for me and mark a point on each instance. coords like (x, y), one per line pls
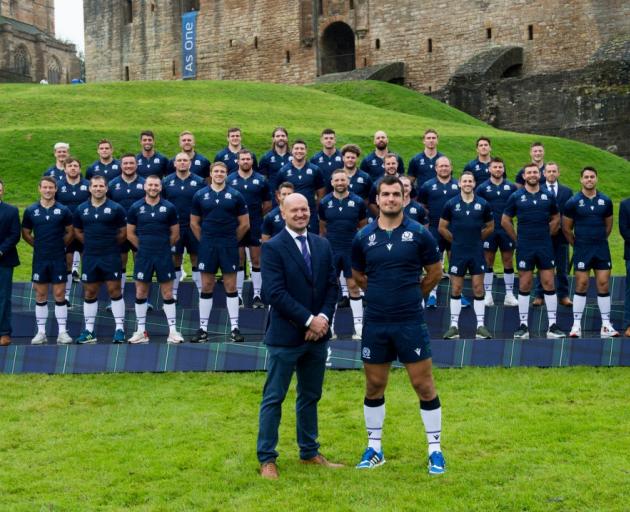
(434, 194)
(108, 171)
(342, 217)
(422, 168)
(589, 216)
(466, 221)
(415, 211)
(273, 222)
(72, 195)
(374, 165)
(306, 180)
(255, 191)
(100, 225)
(157, 165)
(230, 158)
(480, 170)
(533, 212)
(199, 165)
(327, 164)
(180, 192)
(269, 166)
(49, 227)
(55, 172)
(393, 262)
(126, 193)
(153, 224)
(219, 212)
(497, 196)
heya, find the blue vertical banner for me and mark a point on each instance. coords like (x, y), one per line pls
(189, 45)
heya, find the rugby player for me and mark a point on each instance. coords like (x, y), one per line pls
(373, 163)
(199, 164)
(466, 221)
(390, 164)
(273, 222)
(61, 151)
(412, 209)
(537, 156)
(219, 220)
(422, 167)
(587, 222)
(276, 158)
(329, 158)
(480, 166)
(388, 256)
(229, 154)
(149, 160)
(47, 227)
(106, 165)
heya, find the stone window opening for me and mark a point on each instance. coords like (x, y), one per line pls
(489, 33)
(22, 61)
(54, 71)
(377, 44)
(256, 42)
(430, 45)
(189, 5)
(287, 57)
(320, 7)
(351, 4)
(530, 32)
(128, 11)
(126, 73)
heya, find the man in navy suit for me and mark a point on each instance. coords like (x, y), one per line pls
(299, 282)
(9, 237)
(560, 243)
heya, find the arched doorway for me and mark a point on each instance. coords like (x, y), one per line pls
(337, 49)
(54, 71)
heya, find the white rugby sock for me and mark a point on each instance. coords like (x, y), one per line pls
(90, 309)
(551, 301)
(579, 303)
(118, 311)
(178, 278)
(170, 311)
(488, 277)
(603, 301)
(256, 281)
(41, 316)
(431, 413)
(232, 307)
(356, 305)
(523, 307)
(344, 285)
(141, 314)
(240, 279)
(508, 279)
(374, 414)
(205, 308)
(61, 314)
(479, 305)
(456, 309)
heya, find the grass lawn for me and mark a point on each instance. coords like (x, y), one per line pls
(33, 118)
(518, 439)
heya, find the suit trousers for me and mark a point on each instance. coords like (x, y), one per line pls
(6, 287)
(309, 363)
(626, 304)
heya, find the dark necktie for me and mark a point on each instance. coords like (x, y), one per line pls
(553, 190)
(305, 254)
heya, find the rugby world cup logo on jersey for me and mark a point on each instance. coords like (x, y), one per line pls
(372, 240)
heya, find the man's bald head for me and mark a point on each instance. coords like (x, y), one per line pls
(296, 212)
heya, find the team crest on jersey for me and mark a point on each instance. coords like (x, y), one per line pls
(581, 202)
(256, 182)
(488, 188)
(83, 187)
(56, 211)
(454, 269)
(351, 204)
(193, 183)
(522, 264)
(86, 211)
(162, 209)
(276, 218)
(197, 162)
(309, 171)
(581, 265)
(506, 187)
(434, 187)
(422, 161)
(600, 202)
(413, 210)
(63, 189)
(206, 195)
(486, 245)
(477, 206)
(365, 353)
(156, 160)
(330, 204)
(201, 266)
(523, 199)
(235, 182)
(337, 158)
(35, 277)
(372, 240)
(360, 179)
(142, 209)
(226, 157)
(458, 207)
(36, 213)
(544, 197)
(454, 186)
(107, 210)
(407, 236)
(289, 173)
(228, 195)
(114, 167)
(273, 159)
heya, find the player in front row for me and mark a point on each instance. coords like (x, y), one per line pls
(99, 224)
(47, 227)
(496, 191)
(219, 219)
(341, 213)
(179, 188)
(273, 222)
(255, 190)
(153, 228)
(388, 256)
(466, 221)
(587, 222)
(538, 218)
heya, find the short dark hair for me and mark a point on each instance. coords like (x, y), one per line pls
(468, 173)
(530, 164)
(389, 180)
(243, 151)
(588, 168)
(286, 184)
(153, 177)
(537, 143)
(98, 177)
(498, 160)
(147, 133)
(338, 170)
(483, 138)
(328, 131)
(69, 160)
(299, 141)
(48, 179)
(128, 155)
(233, 129)
(391, 155)
(351, 148)
(104, 141)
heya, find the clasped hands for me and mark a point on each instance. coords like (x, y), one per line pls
(317, 329)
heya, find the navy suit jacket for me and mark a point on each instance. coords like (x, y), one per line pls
(293, 294)
(563, 195)
(9, 235)
(624, 226)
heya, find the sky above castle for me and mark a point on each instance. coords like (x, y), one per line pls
(69, 21)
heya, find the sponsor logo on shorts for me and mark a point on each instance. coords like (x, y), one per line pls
(201, 266)
(454, 269)
(140, 275)
(521, 264)
(580, 265)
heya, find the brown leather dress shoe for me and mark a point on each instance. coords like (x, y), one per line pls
(538, 301)
(5, 340)
(320, 460)
(269, 470)
(627, 333)
(566, 302)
